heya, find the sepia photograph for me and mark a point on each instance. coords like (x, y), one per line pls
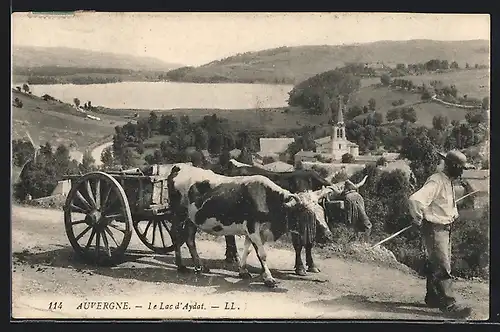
(189, 165)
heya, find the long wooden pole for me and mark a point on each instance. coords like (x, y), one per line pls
(408, 227)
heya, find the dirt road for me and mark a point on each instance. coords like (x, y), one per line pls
(45, 271)
(96, 153)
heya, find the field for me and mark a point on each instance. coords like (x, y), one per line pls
(425, 110)
(295, 64)
(269, 119)
(474, 82)
(58, 123)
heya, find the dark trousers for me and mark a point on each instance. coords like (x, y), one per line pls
(437, 244)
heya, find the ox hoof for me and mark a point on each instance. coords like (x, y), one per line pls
(313, 270)
(300, 272)
(201, 269)
(245, 275)
(271, 283)
(182, 269)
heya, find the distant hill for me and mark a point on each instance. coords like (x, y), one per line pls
(294, 64)
(33, 56)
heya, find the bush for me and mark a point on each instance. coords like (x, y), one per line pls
(470, 246)
(398, 102)
(426, 95)
(339, 177)
(348, 158)
(320, 170)
(381, 161)
(485, 164)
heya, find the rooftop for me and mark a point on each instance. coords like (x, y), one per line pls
(327, 139)
(278, 166)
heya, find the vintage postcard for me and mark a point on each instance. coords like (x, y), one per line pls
(250, 165)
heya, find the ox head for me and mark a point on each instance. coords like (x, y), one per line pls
(305, 206)
(340, 187)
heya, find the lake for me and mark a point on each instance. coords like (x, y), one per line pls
(170, 95)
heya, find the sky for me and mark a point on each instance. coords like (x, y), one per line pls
(198, 38)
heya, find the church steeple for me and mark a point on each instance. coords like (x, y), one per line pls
(338, 128)
(340, 114)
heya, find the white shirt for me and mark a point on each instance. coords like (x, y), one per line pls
(435, 201)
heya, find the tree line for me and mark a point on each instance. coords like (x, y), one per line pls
(180, 137)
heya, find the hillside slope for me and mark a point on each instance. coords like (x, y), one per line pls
(294, 64)
(58, 123)
(31, 56)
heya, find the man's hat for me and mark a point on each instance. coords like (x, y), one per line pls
(457, 158)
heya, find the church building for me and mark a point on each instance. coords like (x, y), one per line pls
(337, 144)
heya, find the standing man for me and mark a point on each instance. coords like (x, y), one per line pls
(434, 209)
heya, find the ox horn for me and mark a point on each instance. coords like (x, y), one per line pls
(327, 190)
(291, 200)
(361, 183)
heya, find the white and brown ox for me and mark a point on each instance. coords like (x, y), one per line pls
(250, 206)
(298, 181)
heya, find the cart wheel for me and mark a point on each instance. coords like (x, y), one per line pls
(97, 219)
(155, 234)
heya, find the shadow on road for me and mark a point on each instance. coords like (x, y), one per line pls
(361, 302)
(146, 266)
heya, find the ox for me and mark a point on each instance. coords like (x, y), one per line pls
(298, 181)
(252, 206)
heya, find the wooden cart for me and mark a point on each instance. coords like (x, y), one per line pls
(102, 208)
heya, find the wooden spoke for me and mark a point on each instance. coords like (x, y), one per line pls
(107, 230)
(154, 232)
(78, 222)
(114, 216)
(90, 194)
(116, 227)
(89, 242)
(106, 244)
(75, 208)
(98, 194)
(83, 233)
(109, 204)
(161, 234)
(97, 244)
(147, 227)
(106, 198)
(84, 201)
